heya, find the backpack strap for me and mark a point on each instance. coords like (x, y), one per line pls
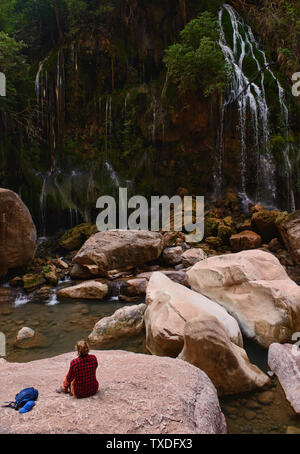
(10, 405)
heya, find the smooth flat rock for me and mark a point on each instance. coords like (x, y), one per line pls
(139, 394)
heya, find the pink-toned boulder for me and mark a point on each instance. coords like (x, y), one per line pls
(207, 346)
(118, 250)
(254, 287)
(138, 394)
(284, 361)
(245, 240)
(17, 232)
(170, 307)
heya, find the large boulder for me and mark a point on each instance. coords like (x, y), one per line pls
(125, 322)
(138, 394)
(255, 289)
(289, 227)
(17, 232)
(284, 361)
(85, 290)
(170, 307)
(118, 250)
(207, 346)
(245, 240)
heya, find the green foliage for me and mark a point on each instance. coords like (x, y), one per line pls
(197, 62)
(13, 65)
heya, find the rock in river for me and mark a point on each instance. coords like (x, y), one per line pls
(170, 306)
(207, 346)
(254, 288)
(118, 250)
(284, 361)
(125, 322)
(85, 290)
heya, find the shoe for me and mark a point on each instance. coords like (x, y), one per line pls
(60, 390)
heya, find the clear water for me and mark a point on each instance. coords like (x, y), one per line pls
(60, 323)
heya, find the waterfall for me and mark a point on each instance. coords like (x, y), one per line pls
(108, 123)
(38, 83)
(154, 121)
(250, 98)
(112, 173)
(43, 207)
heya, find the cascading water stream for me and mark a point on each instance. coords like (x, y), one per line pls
(250, 98)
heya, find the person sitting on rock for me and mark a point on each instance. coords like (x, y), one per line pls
(81, 380)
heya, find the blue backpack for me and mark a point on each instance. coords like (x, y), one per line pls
(22, 397)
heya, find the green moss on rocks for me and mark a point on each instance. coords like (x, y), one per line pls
(31, 281)
(211, 226)
(265, 222)
(73, 239)
(214, 242)
(224, 232)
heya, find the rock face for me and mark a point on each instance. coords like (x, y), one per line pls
(290, 232)
(125, 322)
(118, 250)
(86, 290)
(245, 240)
(192, 256)
(207, 346)
(138, 393)
(284, 361)
(255, 289)
(17, 232)
(170, 306)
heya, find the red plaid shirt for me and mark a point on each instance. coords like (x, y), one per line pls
(83, 371)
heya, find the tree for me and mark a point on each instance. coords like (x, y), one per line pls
(197, 62)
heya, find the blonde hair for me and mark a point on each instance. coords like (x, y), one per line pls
(82, 348)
